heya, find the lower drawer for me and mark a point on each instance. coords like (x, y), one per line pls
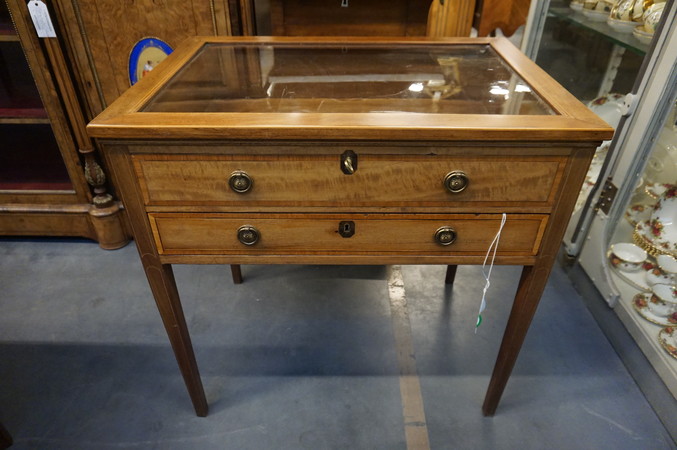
(336, 234)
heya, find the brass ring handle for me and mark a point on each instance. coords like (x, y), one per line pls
(348, 165)
(456, 181)
(445, 236)
(240, 182)
(248, 235)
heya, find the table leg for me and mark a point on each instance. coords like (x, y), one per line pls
(160, 277)
(531, 286)
(451, 275)
(163, 285)
(236, 271)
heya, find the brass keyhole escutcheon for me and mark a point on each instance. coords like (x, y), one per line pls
(456, 181)
(240, 182)
(346, 228)
(349, 162)
(445, 235)
(248, 235)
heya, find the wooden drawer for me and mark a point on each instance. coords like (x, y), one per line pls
(303, 234)
(390, 180)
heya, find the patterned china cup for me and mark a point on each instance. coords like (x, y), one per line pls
(652, 16)
(663, 301)
(663, 221)
(668, 266)
(627, 257)
(598, 5)
(630, 10)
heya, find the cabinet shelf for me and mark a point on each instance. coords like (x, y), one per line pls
(23, 115)
(8, 37)
(625, 40)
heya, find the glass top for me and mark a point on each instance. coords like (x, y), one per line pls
(334, 78)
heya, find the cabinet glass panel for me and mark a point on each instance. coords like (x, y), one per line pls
(29, 153)
(644, 244)
(595, 59)
(458, 79)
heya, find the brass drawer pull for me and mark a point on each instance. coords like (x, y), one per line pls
(456, 181)
(445, 236)
(240, 182)
(248, 235)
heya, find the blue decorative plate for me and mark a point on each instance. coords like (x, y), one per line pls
(145, 55)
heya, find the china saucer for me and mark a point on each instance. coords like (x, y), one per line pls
(668, 339)
(656, 276)
(641, 304)
(636, 279)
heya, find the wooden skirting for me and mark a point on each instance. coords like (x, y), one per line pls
(82, 220)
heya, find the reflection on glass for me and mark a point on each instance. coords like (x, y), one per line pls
(454, 79)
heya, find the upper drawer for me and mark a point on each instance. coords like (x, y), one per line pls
(383, 180)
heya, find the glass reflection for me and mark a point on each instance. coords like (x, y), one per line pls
(454, 79)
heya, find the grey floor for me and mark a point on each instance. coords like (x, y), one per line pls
(296, 357)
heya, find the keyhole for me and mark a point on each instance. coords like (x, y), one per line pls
(346, 228)
(344, 3)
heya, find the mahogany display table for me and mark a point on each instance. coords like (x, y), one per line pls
(347, 151)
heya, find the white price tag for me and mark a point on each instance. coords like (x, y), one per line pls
(41, 20)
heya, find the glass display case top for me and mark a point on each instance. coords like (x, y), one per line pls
(335, 78)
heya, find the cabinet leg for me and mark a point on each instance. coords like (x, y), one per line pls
(163, 285)
(237, 273)
(528, 295)
(451, 275)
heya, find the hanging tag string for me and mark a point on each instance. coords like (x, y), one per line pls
(487, 274)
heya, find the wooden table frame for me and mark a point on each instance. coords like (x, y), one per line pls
(572, 134)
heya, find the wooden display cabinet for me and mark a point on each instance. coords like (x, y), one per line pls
(348, 151)
(51, 183)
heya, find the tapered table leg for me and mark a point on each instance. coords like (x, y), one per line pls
(531, 286)
(163, 286)
(237, 273)
(451, 275)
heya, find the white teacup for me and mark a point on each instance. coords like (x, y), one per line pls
(663, 301)
(668, 266)
(627, 257)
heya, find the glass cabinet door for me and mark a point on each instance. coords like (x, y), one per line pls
(631, 246)
(30, 159)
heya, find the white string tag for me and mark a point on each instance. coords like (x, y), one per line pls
(487, 274)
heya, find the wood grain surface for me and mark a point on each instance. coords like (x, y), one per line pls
(318, 233)
(319, 181)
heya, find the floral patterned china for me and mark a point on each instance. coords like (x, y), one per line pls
(637, 213)
(668, 265)
(655, 190)
(627, 257)
(663, 218)
(630, 10)
(668, 339)
(652, 16)
(641, 304)
(597, 10)
(657, 276)
(658, 235)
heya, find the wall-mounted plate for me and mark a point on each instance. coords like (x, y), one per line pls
(145, 56)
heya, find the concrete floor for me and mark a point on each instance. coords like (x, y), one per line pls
(297, 357)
